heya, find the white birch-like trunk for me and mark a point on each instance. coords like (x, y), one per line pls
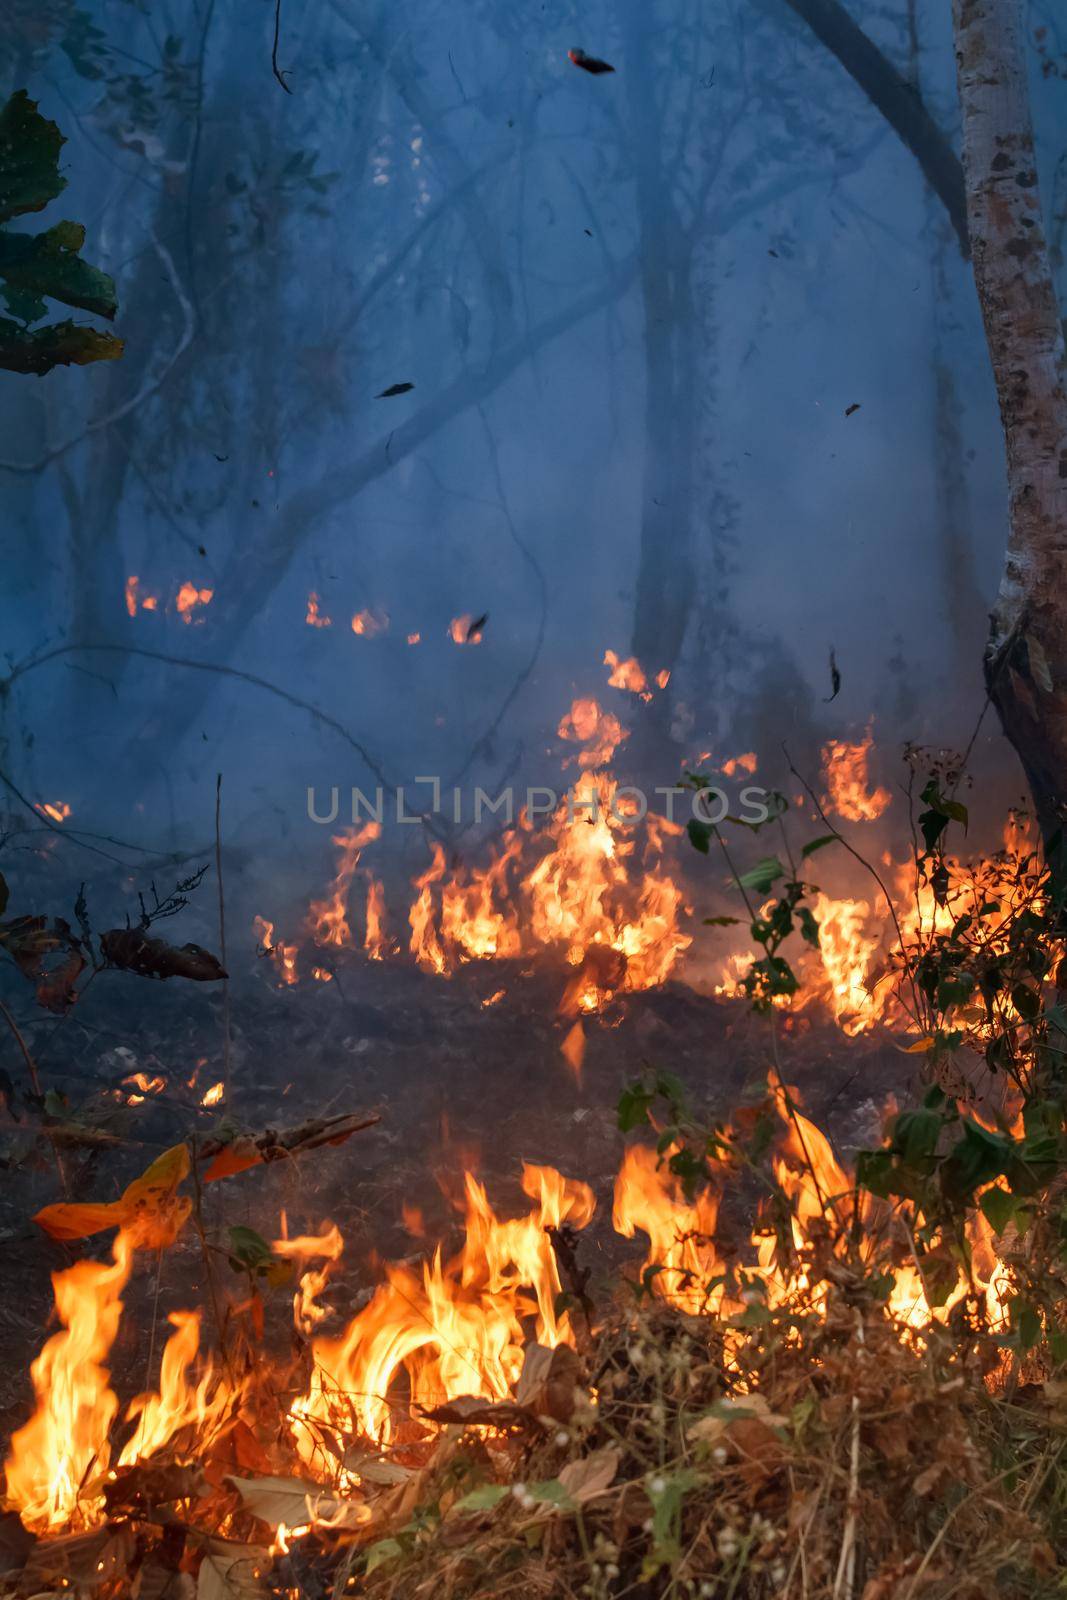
(1026, 659)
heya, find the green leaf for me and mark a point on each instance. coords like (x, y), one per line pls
(484, 1498)
(378, 1554)
(49, 264)
(633, 1107)
(809, 928)
(998, 1208)
(60, 344)
(549, 1492)
(699, 835)
(817, 844)
(29, 158)
(44, 266)
(762, 875)
(248, 1249)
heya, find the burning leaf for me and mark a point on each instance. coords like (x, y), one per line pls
(588, 63)
(573, 1048)
(251, 1150)
(232, 1571)
(131, 950)
(149, 1209)
(394, 389)
(476, 628)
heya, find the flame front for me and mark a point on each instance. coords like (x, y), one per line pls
(65, 1442)
(453, 1328)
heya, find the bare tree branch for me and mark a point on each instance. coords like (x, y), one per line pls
(899, 103)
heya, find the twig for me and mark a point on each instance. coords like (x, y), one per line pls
(274, 48)
(222, 946)
(194, 666)
(31, 1068)
(846, 1564)
(209, 1268)
(854, 853)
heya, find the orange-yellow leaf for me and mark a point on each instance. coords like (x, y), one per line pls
(150, 1208)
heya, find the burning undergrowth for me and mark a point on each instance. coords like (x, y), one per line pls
(748, 1411)
(756, 1368)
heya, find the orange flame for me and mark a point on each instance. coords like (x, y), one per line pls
(328, 918)
(455, 1328)
(282, 955)
(848, 782)
(316, 618)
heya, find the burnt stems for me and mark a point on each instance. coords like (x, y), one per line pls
(1026, 657)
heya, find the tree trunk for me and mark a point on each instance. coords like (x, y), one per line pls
(1026, 658)
(665, 583)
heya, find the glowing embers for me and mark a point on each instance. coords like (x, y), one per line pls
(189, 600)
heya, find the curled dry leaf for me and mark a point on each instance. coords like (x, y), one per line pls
(245, 1150)
(589, 1477)
(296, 1501)
(548, 1382)
(132, 950)
(232, 1571)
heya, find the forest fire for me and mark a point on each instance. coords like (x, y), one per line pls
(447, 1339)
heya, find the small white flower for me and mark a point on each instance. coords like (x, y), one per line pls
(657, 1485)
(720, 1455)
(563, 1437)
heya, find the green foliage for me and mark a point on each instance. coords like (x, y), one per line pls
(35, 268)
(251, 1253)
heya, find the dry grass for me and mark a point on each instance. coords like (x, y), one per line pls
(819, 1458)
